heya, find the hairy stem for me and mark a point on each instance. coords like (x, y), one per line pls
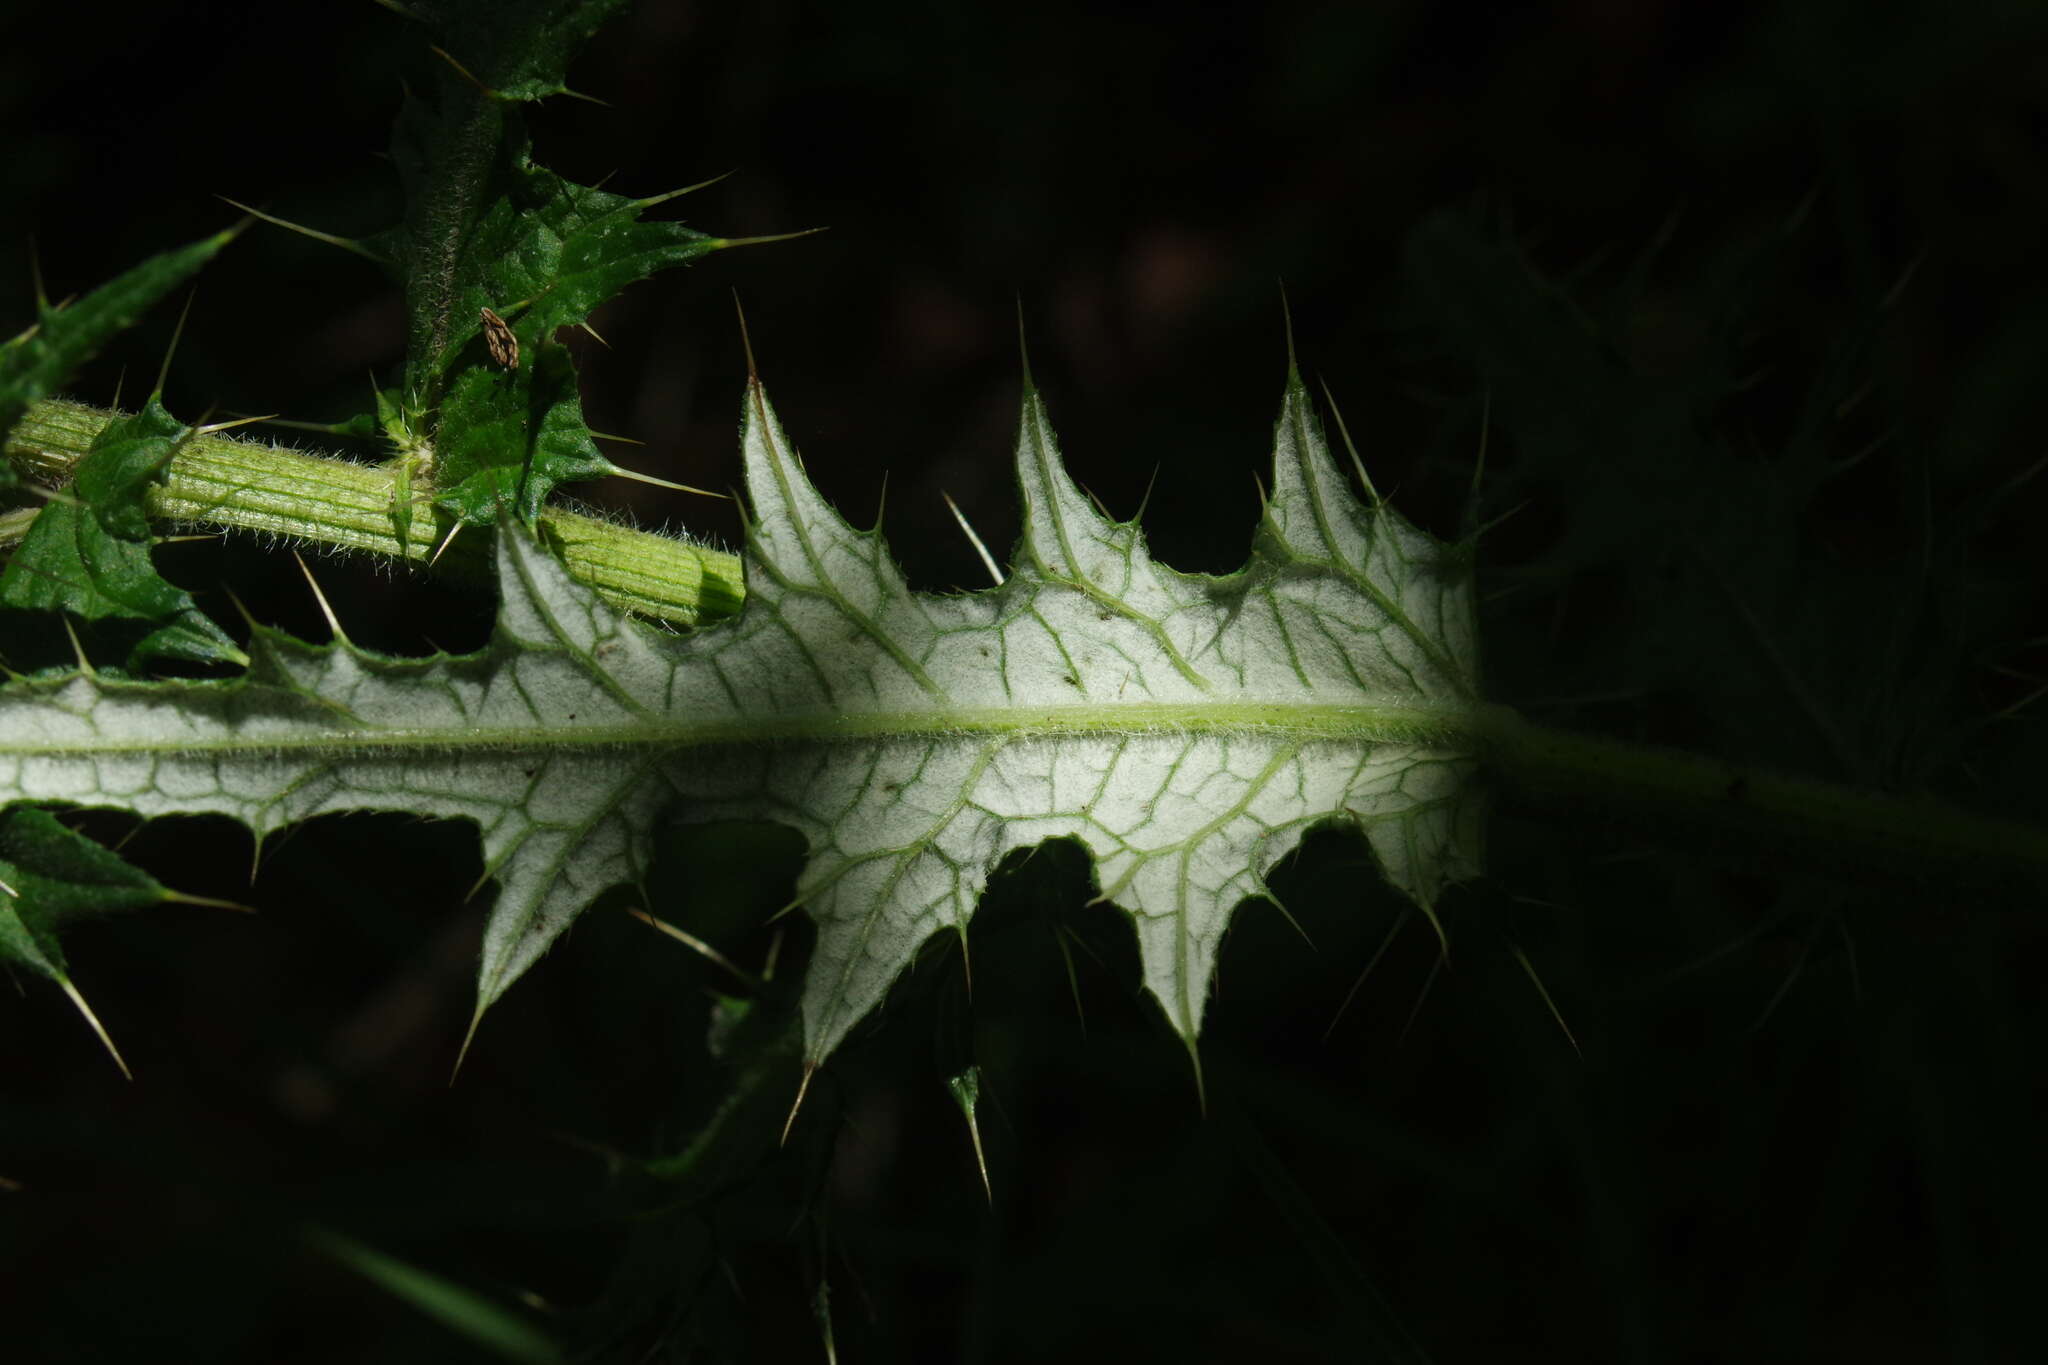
(225, 483)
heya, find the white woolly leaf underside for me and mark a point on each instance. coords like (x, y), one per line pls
(1186, 729)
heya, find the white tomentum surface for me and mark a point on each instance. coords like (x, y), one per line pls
(1186, 729)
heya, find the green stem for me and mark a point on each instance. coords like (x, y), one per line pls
(1818, 826)
(225, 483)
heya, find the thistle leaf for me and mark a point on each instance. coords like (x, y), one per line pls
(489, 234)
(54, 876)
(1188, 730)
(91, 556)
(51, 877)
(34, 363)
(496, 255)
(518, 49)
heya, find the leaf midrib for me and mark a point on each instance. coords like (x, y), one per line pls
(1295, 722)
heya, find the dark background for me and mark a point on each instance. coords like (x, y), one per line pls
(1746, 301)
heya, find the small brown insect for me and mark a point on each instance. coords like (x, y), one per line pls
(498, 338)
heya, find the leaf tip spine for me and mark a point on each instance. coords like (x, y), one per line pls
(212, 902)
(85, 668)
(177, 334)
(765, 239)
(1543, 993)
(1287, 915)
(988, 561)
(468, 1037)
(1287, 328)
(1357, 464)
(326, 608)
(620, 472)
(654, 200)
(1195, 1062)
(446, 541)
(463, 72)
(1145, 500)
(35, 275)
(1024, 354)
(99, 1029)
(746, 344)
(348, 244)
(803, 1088)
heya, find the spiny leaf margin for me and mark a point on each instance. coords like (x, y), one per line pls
(1186, 729)
(484, 227)
(35, 363)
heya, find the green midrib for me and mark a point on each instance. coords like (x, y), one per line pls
(1296, 723)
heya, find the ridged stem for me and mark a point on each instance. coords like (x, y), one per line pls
(220, 482)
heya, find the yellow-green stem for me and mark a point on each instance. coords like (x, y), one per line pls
(220, 482)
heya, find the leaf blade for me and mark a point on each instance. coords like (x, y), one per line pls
(1160, 719)
(35, 363)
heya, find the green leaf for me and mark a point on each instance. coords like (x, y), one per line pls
(51, 877)
(550, 251)
(480, 427)
(55, 876)
(544, 253)
(1187, 730)
(90, 556)
(33, 364)
(508, 439)
(519, 49)
(485, 228)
